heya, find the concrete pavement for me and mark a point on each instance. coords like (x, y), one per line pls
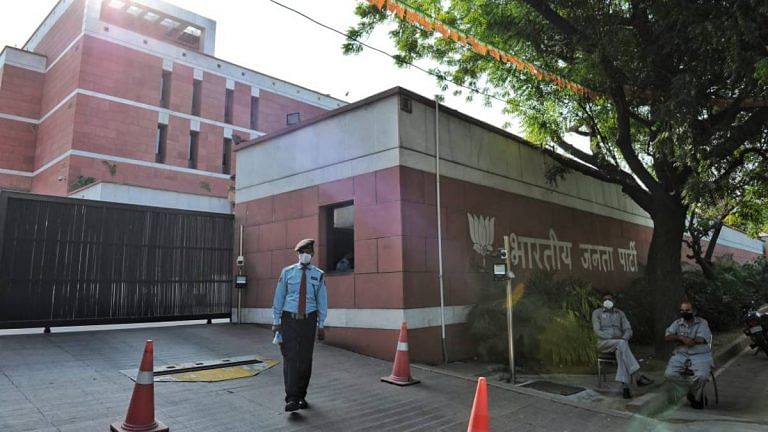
(743, 387)
(72, 382)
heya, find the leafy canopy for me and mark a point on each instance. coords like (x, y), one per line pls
(683, 120)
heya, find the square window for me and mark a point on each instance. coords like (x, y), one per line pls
(169, 23)
(116, 4)
(340, 237)
(134, 10)
(151, 16)
(292, 119)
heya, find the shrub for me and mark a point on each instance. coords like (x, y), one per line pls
(552, 322)
(720, 301)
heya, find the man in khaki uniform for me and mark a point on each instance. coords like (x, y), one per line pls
(613, 333)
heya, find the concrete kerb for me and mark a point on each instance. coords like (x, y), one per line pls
(654, 403)
(527, 392)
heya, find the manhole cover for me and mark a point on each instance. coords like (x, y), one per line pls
(554, 388)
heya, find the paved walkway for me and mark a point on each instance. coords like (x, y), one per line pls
(743, 385)
(71, 382)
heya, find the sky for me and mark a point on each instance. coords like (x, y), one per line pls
(260, 35)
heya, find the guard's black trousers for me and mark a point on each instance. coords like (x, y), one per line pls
(298, 344)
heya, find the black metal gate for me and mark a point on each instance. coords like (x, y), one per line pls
(66, 261)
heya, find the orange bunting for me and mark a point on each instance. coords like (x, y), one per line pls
(378, 3)
(402, 11)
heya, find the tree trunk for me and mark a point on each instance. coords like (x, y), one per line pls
(664, 269)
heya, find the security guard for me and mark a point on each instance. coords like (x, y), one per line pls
(692, 352)
(299, 310)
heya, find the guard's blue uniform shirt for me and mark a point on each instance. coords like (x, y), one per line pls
(287, 293)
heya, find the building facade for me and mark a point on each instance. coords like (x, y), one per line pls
(124, 100)
(366, 189)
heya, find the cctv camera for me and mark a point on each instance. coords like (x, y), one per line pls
(240, 261)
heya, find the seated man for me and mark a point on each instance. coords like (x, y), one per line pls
(613, 334)
(692, 337)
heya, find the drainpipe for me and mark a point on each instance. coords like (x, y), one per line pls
(439, 233)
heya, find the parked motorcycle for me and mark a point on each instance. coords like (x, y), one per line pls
(756, 327)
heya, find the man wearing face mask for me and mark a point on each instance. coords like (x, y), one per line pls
(613, 333)
(692, 337)
(299, 311)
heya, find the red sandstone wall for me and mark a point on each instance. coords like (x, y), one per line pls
(148, 177)
(14, 182)
(20, 91)
(48, 183)
(120, 71)
(273, 109)
(241, 113)
(112, 128)
(211, 148)
(62, 79)
(275, 224)
(182, 78)
(68, 27)
(396, 248)
(213, 94)
(17, 145)
(54, 135)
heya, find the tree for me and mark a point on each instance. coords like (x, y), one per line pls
(684, 92)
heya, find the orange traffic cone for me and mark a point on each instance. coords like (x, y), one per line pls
(478, 419)
(401, 370)
(141, 411)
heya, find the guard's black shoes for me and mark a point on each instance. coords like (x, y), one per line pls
(291, 406)
(644, 381)
(303, 404)
(626, 393)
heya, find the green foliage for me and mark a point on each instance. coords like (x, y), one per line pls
(720, 301)
(566, 341)
(552, 322)
(682, 126)
(205, 186)
(111, 167)
(80, 182)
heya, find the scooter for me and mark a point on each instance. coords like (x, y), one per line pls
(756, 327)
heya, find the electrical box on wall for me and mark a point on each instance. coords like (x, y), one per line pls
(241, 281)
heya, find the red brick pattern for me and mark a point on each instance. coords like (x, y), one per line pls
(62, 79)
(278, 222)
(15, 182)
(213, 94)
(182, 78)
(120, 71)
(241, 112)
(63, 32)
(273, 109)
(54, 180)
(20, 92)
(148, 177)
(54, 135)
(17, 145)
(131, 131)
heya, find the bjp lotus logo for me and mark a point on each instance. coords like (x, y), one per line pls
(481, 233)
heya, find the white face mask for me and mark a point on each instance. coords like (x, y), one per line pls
(305, 258)
(608, 304)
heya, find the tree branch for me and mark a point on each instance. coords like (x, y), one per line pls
(624, 142)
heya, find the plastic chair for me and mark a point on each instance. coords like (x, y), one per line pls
(609, 358)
